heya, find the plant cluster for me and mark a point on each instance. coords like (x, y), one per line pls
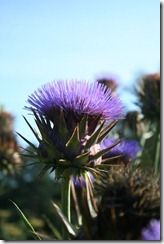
(106, 161)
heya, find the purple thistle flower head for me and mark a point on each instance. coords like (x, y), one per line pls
(78, 98)
(152, 231)
(128, 148)
(67, 114)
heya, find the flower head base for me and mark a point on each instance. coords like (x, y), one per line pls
(79, 181)
(152, 232)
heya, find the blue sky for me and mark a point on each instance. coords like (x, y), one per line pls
(44, 40)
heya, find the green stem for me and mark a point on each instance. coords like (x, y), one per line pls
(65, 201)
(157, 149)
(157, 155)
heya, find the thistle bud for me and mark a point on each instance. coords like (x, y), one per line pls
(10, 157)
(130, 198)
(149, 96)
(110, 83)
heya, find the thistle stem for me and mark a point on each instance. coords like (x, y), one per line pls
(157, 155)
(65, 201)
(157, 149)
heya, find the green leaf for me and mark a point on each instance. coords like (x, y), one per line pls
(103, 166)
(106, 130)
(94, 137)
(71, 230)
(30, 143)
(110, 159)
(29, 155)
(104, 151)
(73, 144)
(83, 127)
(62, 126)
(82, 159)
(44, 170)
(44, 127)
(76, 204)
(157, 156)
(44, 237)
(51, 150)
(90, 197)
(96, 172)
(43, 131)
(27, 223)
(34, 132)
(54, 230)
(150, 156)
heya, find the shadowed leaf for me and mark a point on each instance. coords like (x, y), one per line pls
(25, 220)
(64, 220)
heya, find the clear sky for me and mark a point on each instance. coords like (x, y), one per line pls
(44, 40)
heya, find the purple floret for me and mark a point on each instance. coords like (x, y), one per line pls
(128, 148)
(152, 231)
(79, 181)
(79, 97)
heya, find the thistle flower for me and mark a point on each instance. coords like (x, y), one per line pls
(127, 148)
(70, 116)
(152, 231)
(127, 195)
(148, 91)
(110, 83)
(76, 99)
